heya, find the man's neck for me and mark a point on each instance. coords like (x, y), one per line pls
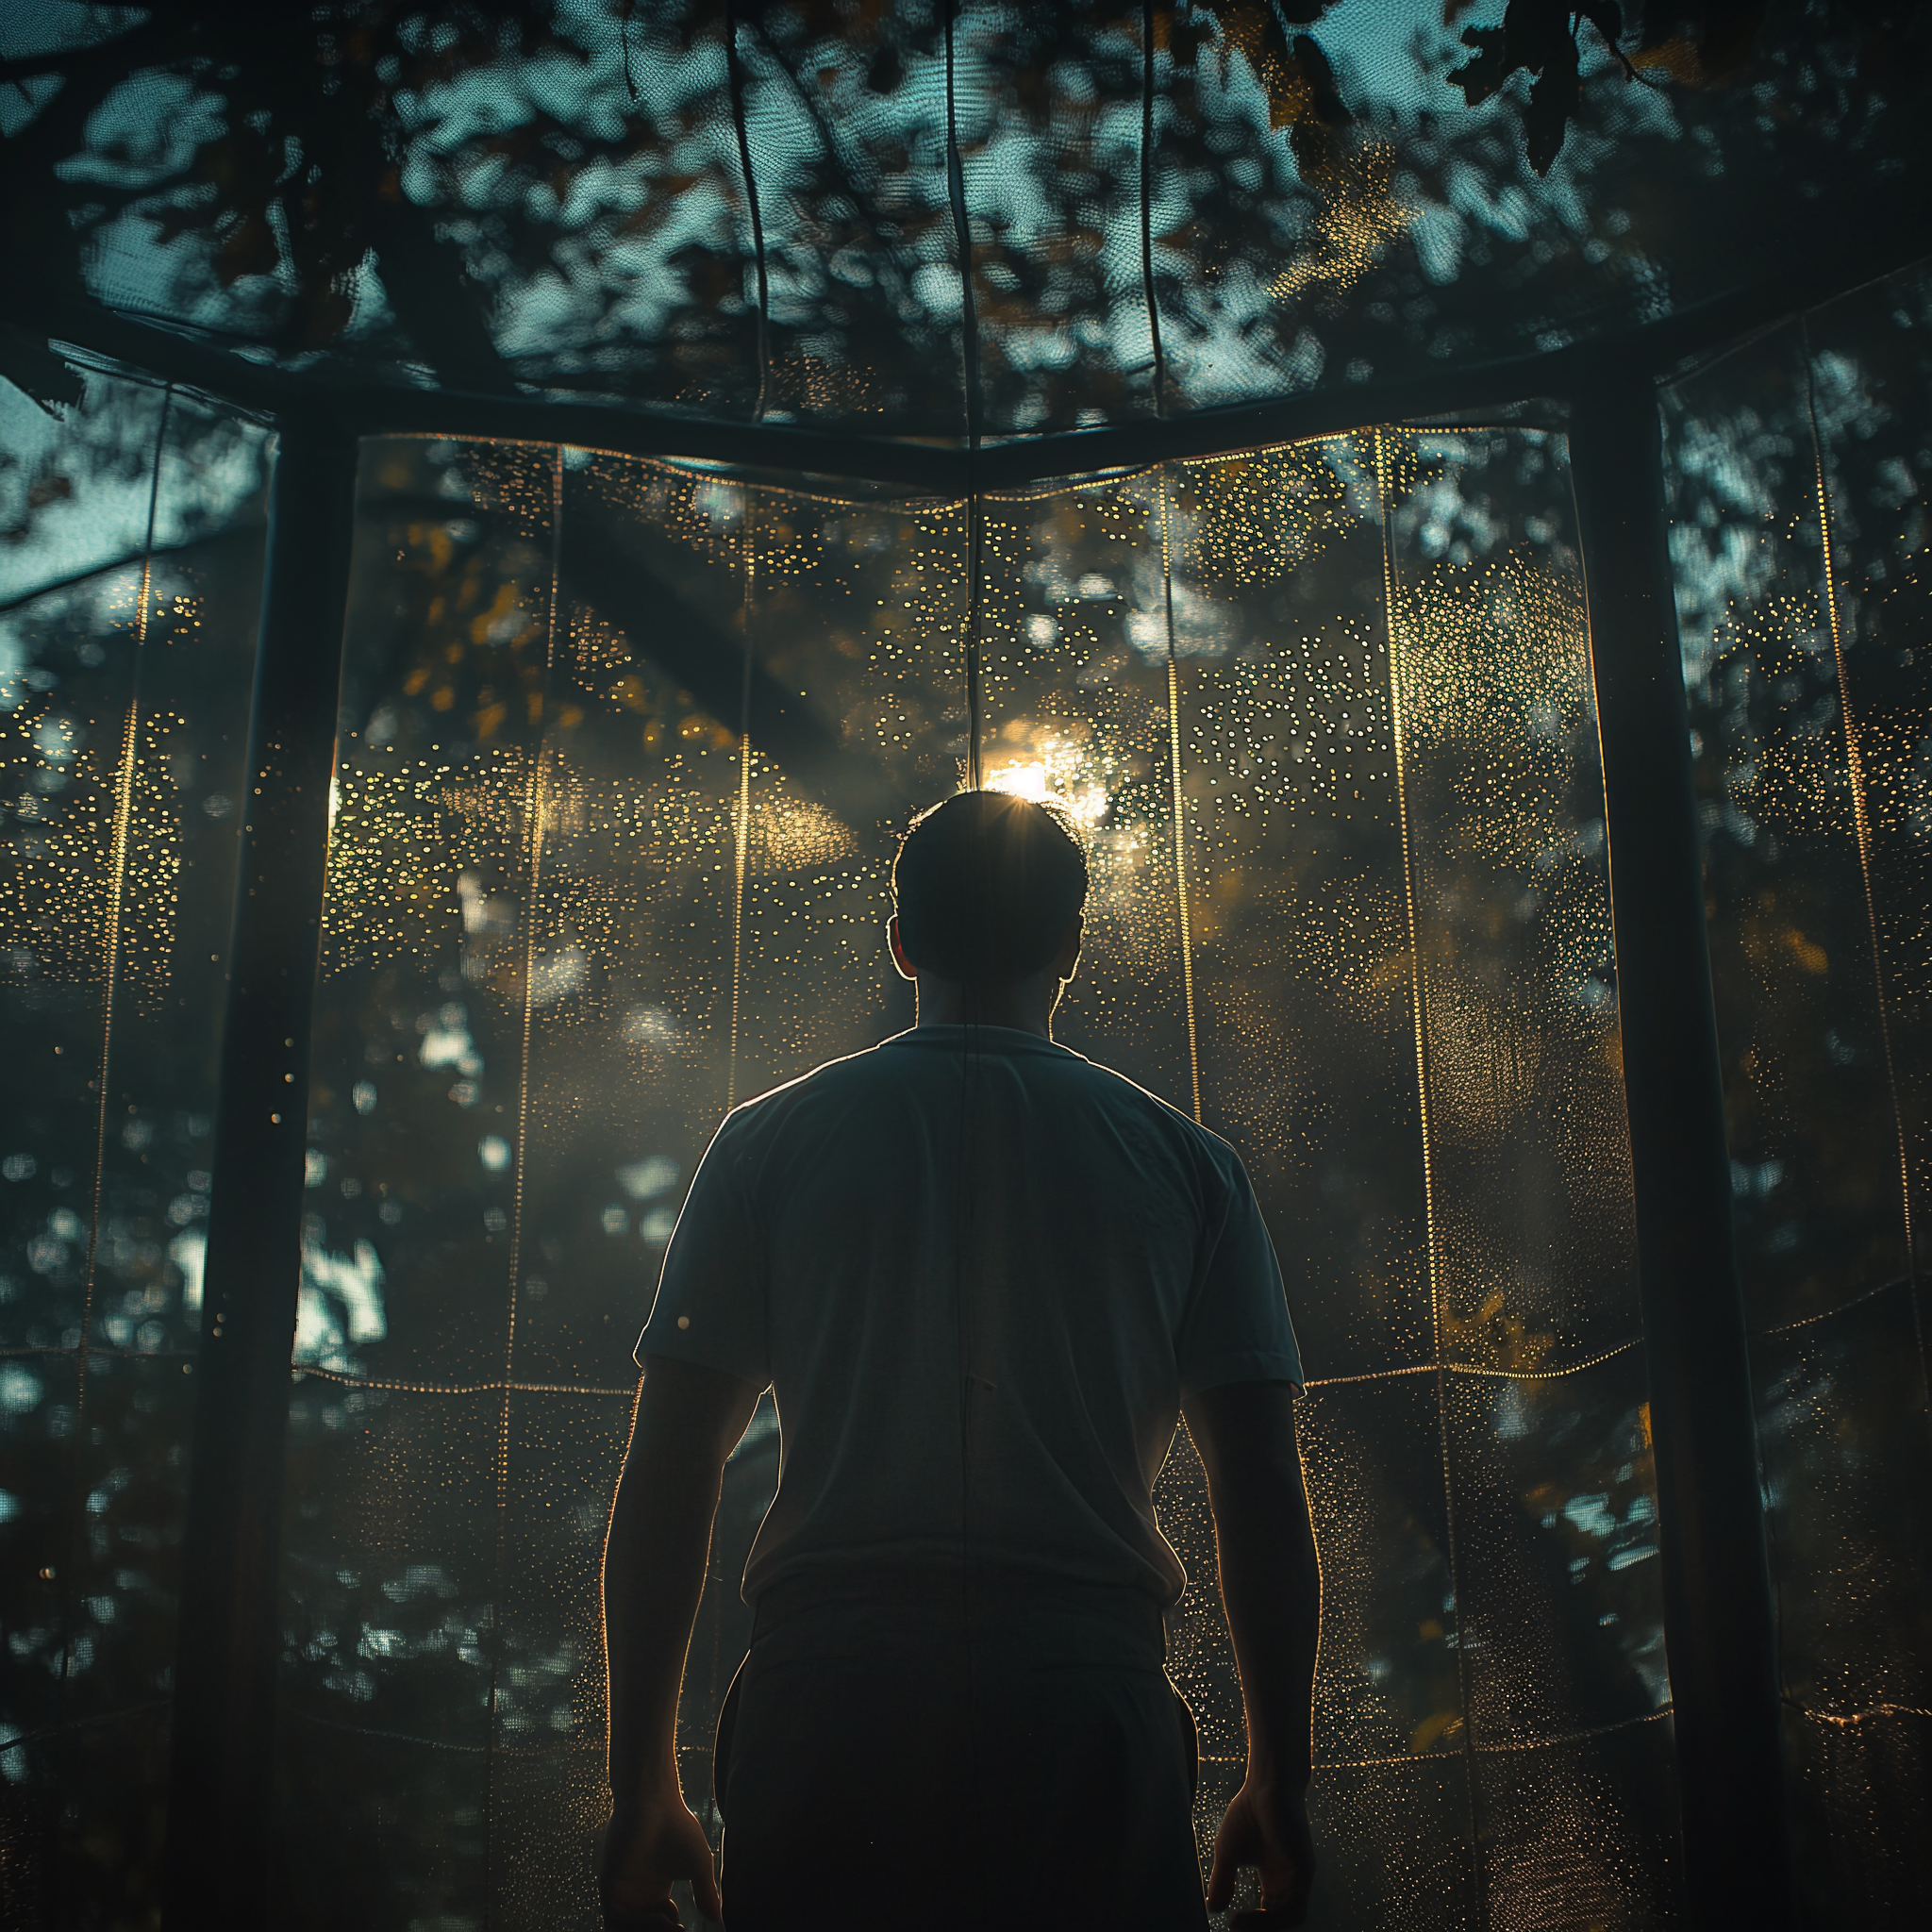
(1025, 1005)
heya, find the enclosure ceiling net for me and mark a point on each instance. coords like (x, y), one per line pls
(929, 219)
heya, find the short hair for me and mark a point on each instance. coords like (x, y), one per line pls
(986, 884)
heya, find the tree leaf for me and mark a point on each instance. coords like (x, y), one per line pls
(1552, 103)
(1539, 38)
(1488, 68)
(1606, 17)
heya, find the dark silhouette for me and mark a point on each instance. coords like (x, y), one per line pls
(983, 1277)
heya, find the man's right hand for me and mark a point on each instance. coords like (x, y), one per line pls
(1266, 1826)
(650, 1846)
(1271, 1588)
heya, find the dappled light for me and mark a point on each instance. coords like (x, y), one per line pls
(1235, 424)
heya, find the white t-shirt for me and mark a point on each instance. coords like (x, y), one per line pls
(930, 1216)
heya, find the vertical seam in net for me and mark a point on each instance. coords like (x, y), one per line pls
(741, 828)
(117, 872)
(1147, 207)
(117, 877)
(1393, 633)
(533, 849)
(969, 356)
(974, 698)
(1180, 827)
(1861, 825)
(735, 72)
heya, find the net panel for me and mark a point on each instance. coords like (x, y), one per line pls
(573, 911)
(1799, 539)
(1398, 812)
(1076, 695)
(128, 595)
(1288, 739)
(627, 749)
(1531, 1247)
(747, 212)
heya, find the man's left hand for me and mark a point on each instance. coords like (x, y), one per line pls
(650, 1846)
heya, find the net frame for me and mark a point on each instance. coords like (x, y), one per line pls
(1630, 366)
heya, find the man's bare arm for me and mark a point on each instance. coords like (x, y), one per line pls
(688, 1420)
(1271, 1588)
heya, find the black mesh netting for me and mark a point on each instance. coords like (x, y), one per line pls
(1350, 892)
(624, 745)
(127, 623)
(759, 209)
(1801, 532)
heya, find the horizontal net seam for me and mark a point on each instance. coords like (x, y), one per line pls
(1476, 1369)
(1316, 1382)
(1826, 1315)
(1427, 429)
(95, 1350)
(1847, 1719)
(562, 1748)
(67, 1727)
(1456, 1756)
(492, 1387)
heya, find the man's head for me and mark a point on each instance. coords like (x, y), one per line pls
(989, 890)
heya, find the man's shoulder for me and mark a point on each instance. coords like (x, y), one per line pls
(1125, 1098)
(845, 1076)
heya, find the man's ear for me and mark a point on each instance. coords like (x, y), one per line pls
(906, 968)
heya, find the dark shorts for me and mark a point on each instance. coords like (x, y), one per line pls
(895, 1753)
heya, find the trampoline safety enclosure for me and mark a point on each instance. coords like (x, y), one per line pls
(507, 512)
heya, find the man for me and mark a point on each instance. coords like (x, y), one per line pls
(983, 1277)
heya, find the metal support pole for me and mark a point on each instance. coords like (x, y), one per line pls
(1718, 1616)
(220, 1811)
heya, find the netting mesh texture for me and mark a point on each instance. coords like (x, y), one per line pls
(577, 910)
(1798, 468)
(1326, 713)
(922, 217)
(127, 627)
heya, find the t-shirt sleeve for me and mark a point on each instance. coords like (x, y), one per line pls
(711, 1305)
(1237, 1327)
